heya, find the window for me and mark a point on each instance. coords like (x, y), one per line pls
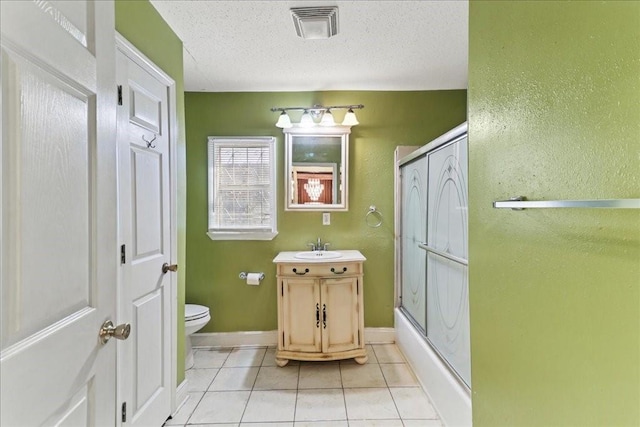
(242, 188)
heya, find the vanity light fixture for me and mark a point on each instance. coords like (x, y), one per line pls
(311, 115)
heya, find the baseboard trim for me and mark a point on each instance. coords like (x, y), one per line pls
(235, 339)
(270, 338)
(182, 394)
(379, 335)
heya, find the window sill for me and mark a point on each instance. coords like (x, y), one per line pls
(242, 235)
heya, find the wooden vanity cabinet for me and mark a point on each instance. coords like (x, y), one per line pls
(320, 312)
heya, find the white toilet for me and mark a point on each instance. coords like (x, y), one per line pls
(195, 318)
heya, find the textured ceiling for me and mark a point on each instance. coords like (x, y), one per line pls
(240, 45)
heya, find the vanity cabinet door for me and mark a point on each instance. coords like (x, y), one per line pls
(339, 314)
(300, 315)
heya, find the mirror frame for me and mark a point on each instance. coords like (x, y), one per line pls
(343, 173)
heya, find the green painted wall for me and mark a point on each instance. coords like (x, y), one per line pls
(554, 113)
(388, 119)
(143, 26)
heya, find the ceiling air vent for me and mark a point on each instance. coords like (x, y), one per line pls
(315, 22)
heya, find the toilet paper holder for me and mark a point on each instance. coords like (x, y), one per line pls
(243, 275)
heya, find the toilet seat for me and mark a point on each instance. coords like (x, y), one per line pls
(195, 312)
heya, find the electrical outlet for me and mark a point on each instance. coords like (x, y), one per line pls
(326, 218)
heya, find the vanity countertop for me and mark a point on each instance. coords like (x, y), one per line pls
(347, 256)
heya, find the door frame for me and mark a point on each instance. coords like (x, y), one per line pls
(131, 52)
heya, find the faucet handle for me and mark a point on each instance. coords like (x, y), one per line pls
(325, 246)
(313, 246)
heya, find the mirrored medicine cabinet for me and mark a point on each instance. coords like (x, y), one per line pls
(316, 168)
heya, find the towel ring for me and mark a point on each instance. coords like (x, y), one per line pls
(373, 211)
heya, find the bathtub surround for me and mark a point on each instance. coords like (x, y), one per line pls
(389, 119)
(554, 113)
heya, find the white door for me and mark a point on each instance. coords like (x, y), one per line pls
(58, 213)
(145, 230)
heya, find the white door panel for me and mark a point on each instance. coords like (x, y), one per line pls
(146, 172)
(58, 263)
(145, 229)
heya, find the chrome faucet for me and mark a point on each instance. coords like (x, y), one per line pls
(318, 246)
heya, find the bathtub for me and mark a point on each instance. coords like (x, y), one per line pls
(448, 395)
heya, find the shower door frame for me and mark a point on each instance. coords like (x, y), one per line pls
(451, 137)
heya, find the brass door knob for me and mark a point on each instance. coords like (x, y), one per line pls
(120, 332)
(166, 267)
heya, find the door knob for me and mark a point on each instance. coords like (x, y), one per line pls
(166, 267)
(120, 332)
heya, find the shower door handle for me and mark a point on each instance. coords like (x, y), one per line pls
(446, 255)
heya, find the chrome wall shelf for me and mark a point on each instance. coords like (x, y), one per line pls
(520, 203)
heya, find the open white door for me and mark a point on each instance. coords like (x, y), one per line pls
(58, 213)
(147, 289)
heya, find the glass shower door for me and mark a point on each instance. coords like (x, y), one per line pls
(414, 214)
(447, 253)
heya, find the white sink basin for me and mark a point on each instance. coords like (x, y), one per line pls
(318, 255)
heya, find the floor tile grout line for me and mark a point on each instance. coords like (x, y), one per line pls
(246, 405)
(396, 405)
(344, 396)
(194, 408)
(205, 392)
(295, 405)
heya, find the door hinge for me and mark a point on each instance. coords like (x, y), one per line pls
(124, 412)
(119, 94)
(358, 337)
(357, 287)
(282, 289)
(123, 256)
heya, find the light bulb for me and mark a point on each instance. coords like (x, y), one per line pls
(284, 121)
(306, 120)
(327, 119)
(350, 118)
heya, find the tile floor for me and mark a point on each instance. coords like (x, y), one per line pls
(244, 387)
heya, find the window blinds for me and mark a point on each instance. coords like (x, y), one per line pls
(242, 186)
